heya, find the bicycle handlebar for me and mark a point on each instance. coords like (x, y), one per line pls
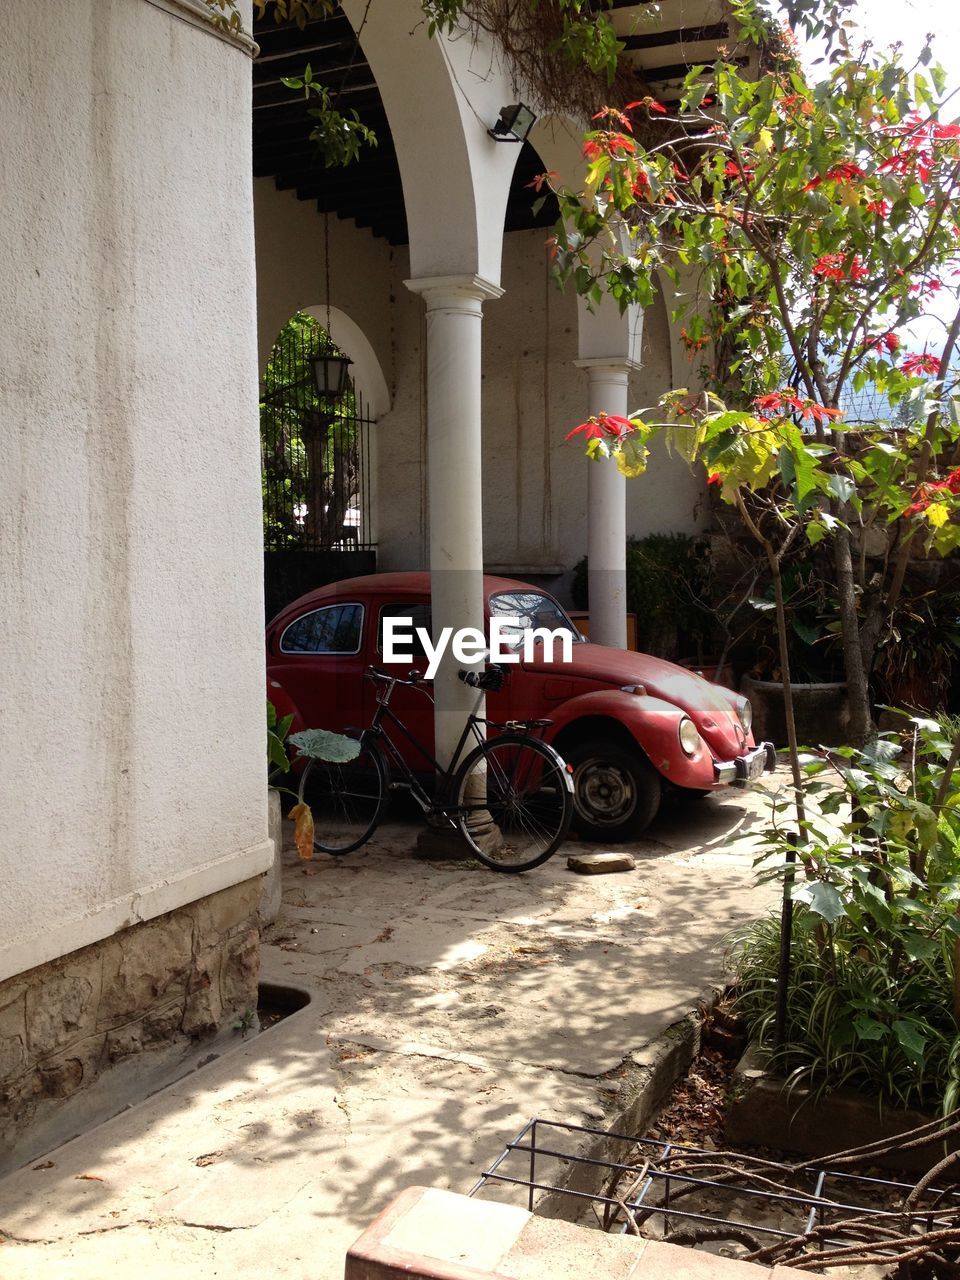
(412, 677)
(491, 680)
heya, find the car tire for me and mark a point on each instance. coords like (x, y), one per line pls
(616, 792)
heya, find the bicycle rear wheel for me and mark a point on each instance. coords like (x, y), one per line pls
(515, 802)
(347, 800)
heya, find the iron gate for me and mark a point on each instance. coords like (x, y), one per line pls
(315, 462)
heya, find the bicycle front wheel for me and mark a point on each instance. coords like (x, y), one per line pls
(347, 800)
(514, 802)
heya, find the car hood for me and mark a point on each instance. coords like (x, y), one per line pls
(711, 709)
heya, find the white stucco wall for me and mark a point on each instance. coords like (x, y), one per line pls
(131, 747)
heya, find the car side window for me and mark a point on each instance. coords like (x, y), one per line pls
(334, 629)
(413, 615)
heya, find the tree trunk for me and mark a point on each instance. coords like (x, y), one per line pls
(858, 683)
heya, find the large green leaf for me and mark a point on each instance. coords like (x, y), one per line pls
(321, 744)
(911, 1038)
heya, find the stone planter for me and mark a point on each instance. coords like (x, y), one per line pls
(765, 1111)
(821, 711)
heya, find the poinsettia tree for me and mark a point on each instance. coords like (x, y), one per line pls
(810, 224)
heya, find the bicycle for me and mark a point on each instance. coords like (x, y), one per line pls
(511, 797)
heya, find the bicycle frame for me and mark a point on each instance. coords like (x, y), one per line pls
(433, 805)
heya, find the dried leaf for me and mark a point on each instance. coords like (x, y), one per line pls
(88, 1177)
(303, 830)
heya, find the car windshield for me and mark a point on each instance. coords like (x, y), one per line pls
(535, 611)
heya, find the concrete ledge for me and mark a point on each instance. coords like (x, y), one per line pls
(643, 1087)
(428, 1234)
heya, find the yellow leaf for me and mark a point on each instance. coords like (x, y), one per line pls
(632, 458)
(303, 830)
(764, 142)
(938, 513)
(900, 823)
(684, 440)
(848, 195)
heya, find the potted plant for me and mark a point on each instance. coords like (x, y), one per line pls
(314, 744)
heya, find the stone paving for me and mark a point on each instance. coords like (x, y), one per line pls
(448, 1005)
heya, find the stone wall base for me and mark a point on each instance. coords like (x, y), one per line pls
(99, 1021)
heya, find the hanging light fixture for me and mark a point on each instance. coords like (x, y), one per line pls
(330, 366)
(330, 374)
(514, 124)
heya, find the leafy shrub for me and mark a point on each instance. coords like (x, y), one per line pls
(666, 589)
(872, 997)
(278, 762)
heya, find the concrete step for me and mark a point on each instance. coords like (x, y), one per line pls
(430, 1234)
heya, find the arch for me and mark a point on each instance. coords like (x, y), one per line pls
(441, 94)
(367, 372)
(558, 141)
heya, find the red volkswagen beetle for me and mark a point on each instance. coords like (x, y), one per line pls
(630, 724)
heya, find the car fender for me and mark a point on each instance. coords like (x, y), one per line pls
(652, 723)
(284, 705)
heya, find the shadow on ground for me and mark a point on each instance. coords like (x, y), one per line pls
(448, 1004)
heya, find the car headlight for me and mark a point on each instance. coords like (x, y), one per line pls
(745, 713)
(689, 735)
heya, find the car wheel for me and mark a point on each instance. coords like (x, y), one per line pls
(616, 793)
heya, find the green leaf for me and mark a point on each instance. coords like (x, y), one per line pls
(911, 1039)
(276, 755)
(919, 947)
(822, 899)
(868, 1028)
(321, 744)
(926, 821)
(841, 487)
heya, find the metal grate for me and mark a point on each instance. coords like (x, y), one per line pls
(689, 1195)
(315, 464)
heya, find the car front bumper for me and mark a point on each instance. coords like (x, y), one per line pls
(743, 770)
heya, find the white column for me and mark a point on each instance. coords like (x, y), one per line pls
(454, 315)
(606, 512)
